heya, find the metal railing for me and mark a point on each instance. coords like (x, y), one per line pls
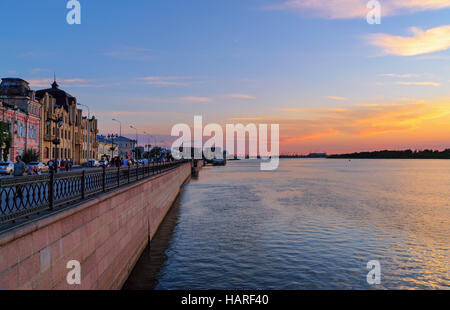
(29, 195)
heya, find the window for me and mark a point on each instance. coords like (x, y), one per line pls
(21, 130)
(32, 132)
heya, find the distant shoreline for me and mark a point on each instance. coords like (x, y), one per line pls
(329, 157)
(407, 154)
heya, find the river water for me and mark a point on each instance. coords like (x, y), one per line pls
(311, 224)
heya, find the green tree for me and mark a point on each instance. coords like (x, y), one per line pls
(155, 153)
(30, 156)
(5, 139)
(138, 152)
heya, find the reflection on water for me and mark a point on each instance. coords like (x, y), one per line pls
(312, 224)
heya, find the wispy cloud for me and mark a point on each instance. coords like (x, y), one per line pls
(346, 9)
(240, 96)
(402, 76)
(193, 99)
(165, 80)
(336, 98)
(421, 42)
(139, 113)
(38, 70)
(71, 82)
(419, 83)
(248, 119)
(27, 54)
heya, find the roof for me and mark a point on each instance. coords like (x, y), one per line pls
(14, 87)
(63, 98)
(123, 139)
(104, 139)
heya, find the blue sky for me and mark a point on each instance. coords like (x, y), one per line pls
(156, 63)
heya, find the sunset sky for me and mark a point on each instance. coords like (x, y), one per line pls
(333, 82)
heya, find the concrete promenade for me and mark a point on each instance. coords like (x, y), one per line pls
(106, 235)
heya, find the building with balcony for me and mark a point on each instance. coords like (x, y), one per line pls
(64, 123)
(21, 110)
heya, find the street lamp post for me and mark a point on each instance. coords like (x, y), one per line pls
(89, 131)
(120, 124)
(120, 133)
(148, 145)
(56, 141)
(135, 148)
(113, 148)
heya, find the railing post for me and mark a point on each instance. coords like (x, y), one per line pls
(104, 179)
(129, 170)
(118, 176)
(137, 172)
(83, 184)
(51, 191)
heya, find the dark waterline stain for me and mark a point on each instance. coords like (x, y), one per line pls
(145, 273)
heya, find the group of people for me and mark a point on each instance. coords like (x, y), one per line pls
(128, 162)
(119, 162)
(21, 169)
(63, 165)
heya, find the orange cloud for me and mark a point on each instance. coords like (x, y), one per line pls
(336, 98)
(403, 76)
(346, 9)
(240, 96)
(196, 99)
(365, 126)
(328, 133)
(422, 41)
(419, 83)
(248, 119)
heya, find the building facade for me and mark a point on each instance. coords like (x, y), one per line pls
(67, 134)
(20, 108)
(106, 149)
(126, 146)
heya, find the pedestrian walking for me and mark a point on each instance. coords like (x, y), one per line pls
(19, 170)
(19, 167)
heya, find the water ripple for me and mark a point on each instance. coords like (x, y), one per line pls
(313, 224)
